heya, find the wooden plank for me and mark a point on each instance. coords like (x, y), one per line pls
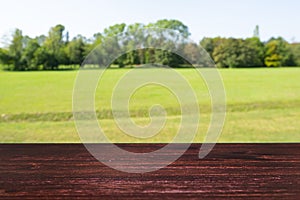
(68, 171)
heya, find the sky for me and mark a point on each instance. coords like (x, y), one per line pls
(209, 18)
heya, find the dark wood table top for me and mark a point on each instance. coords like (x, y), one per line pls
(68, 171)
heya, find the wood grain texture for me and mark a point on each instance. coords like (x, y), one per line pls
(68, 171)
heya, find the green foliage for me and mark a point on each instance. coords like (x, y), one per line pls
(25, 53)
(53, 48)
(48, 52)
(75, 50)
(251, 52)
(232, 53)
(15, 51)
(171, 24)
(295, 49)
(277, 53)
(4, 56)
(114, 30)
(254, 50)
(30, 59)
(134, 36)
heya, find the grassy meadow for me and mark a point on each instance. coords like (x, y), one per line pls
(263, 105)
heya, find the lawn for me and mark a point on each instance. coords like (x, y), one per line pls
(263, 105)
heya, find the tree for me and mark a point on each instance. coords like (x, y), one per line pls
(192, 51)
(133, 42)
(277, 53)
(95, 41)
(209, 44)
(234, 53)
(114, 30)
(171, 24)
(111, 44)
(254, 52)
(140, 42)
(15, 51)
(54, 48)
(29, 55)
(167, 40)
(4, 56)
(75, 50)
(295, 49)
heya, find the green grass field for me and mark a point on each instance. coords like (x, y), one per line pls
(263, 105)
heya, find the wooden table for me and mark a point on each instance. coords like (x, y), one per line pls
(68, 171)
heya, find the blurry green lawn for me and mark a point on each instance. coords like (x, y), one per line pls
(263, 106)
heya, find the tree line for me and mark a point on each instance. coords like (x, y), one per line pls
(56, 49)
